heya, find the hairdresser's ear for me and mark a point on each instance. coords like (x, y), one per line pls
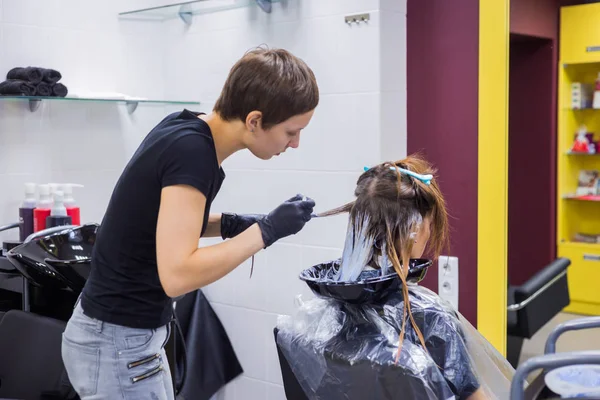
(253, 121)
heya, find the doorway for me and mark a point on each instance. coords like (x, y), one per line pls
(531, 157)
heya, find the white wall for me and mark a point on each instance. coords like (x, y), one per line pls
(361, 120)
(67, 141)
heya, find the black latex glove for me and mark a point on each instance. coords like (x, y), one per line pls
(234, 224)
(287, 219)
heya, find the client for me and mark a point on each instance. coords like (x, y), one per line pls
(339, 350)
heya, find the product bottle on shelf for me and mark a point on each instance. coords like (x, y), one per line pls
(581, 143)
(73, 210)
(43, 209)
(596, 101)
(26, 212)
(58, 215)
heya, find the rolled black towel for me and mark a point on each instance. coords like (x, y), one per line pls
(15, 87)
(29, 74)
(51, 75)
(43, 89)
(59, 90)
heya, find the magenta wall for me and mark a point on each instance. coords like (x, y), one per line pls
(442, 62)
(442, 82)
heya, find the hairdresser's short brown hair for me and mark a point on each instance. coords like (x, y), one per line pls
(272, 81)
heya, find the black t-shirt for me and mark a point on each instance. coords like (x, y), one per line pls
(123, 287)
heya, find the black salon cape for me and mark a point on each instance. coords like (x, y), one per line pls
(211, 360)
(356, 362)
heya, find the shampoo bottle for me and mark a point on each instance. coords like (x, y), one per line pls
(73, 210)
(26, 212)
(58, 216)
(43, 209)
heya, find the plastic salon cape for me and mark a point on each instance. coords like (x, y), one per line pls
(343, 351)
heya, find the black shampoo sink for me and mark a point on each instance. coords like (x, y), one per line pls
(369, 288)
(57, 260)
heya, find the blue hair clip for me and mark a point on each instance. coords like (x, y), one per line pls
(426, 179)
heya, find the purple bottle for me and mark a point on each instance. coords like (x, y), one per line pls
(26, 212)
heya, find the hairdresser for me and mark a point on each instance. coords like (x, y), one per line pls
(146, 251)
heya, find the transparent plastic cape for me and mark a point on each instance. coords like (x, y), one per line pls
(343, 351)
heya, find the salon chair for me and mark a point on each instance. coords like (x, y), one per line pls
(534, 303)
(31, 365)
(364, 377)
(537, 389)
(291, 386)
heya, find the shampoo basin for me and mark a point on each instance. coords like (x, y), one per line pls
(61, 259)
(368, 289)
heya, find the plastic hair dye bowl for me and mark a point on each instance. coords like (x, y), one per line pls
(369, 288)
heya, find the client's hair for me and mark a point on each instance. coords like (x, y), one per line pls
(394, 205)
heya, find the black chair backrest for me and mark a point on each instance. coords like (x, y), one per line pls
(545, 294)
(360, 380)
(291, 386)
(30, 355)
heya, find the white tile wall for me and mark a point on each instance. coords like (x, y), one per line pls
(66, 141)
(361, 120)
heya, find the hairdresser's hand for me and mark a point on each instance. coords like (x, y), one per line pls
(287, 219)
(234, 224)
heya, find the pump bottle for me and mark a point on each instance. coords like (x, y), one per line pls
(58, 216)
(43, 209)
(26, 212)
(73, 210)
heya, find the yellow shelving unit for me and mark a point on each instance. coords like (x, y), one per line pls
(579, 62)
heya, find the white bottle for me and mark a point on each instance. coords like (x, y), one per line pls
(58, 215)
(30, 200)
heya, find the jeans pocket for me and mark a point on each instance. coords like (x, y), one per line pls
(135, 341)
(83, 366)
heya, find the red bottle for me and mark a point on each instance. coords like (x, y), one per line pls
(73, 210)
(43, 209)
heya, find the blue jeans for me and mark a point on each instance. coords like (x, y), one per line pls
(107, 361)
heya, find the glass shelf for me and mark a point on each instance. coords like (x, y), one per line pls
(579, 153)
(583, 245)
(131, 103)
(570, 109)
(186, 10)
